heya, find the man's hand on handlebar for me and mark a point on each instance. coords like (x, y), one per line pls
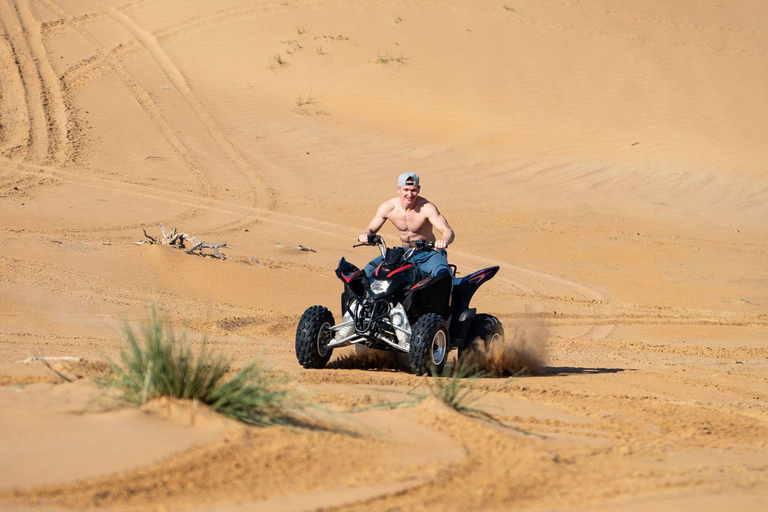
(441, 244)
(366, 239)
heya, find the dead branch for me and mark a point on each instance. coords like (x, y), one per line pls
(152, 239)
(165, 236)
(179, 240)
(48, 358)
(205, 245)
(196, 247)
(216, 248)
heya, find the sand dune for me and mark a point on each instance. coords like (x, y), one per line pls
(608, 156)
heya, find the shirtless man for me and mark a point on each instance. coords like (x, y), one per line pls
(414, 217)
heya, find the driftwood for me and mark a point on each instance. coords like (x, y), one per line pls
(178, 240)
(48, 358)
(152, 240)
(205, 245)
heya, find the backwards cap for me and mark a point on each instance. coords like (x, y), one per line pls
(406, 177)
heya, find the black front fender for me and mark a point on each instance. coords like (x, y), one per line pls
(430, 295)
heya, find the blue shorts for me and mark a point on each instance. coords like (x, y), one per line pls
(431, 263)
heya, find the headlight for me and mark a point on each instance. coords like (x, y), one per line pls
(379, 286)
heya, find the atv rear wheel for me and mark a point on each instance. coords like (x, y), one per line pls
(312, 337)
(430, 344)
(484, 331)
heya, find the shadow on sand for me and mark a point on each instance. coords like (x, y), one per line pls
(554, 371)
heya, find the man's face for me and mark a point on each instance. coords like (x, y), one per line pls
(408, 193)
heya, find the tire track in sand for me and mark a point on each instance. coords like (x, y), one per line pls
(37, 139)
(88, 69)
(53, 101)
(149, 41)
(140, 95)
(14, 114)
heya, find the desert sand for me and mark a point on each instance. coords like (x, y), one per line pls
(609, 155)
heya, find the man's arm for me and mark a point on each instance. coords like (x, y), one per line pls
(436, 218)
(377, 221)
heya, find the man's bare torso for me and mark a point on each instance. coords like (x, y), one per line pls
(414, 218)
(411, 224)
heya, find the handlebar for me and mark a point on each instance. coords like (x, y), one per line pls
(375, 240)
(423, 244)
(416, 244)
(372, 240)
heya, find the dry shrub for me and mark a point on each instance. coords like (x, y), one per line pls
(522, 351)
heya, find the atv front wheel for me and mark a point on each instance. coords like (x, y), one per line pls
(430, 344)
(312, 337)
(484, 331)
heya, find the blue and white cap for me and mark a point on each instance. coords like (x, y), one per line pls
(408, 178)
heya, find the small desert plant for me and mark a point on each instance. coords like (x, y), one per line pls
(386, 59)
(159, 364)
(276, 61)
(301, 101)
(386, 404)
(454, 386)
(320, 50)
(398, 19)
(508, 8)
(300, 30)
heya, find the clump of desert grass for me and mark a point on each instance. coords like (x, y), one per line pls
(454, 386)
(157, 363)
(523, 352)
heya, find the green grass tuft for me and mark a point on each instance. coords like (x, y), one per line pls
(301, 101)
(387, 59)
(158, 364)
(454, 386)
(276, 61)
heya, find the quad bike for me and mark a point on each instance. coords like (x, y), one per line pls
(399, 310)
